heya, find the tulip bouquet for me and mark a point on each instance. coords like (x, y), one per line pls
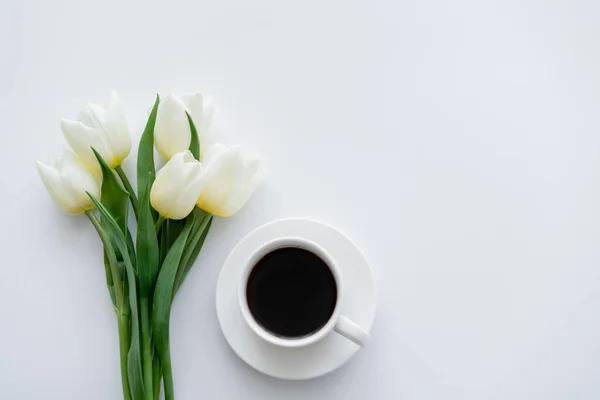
(174, 209)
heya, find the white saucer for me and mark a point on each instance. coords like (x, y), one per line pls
(358, 303)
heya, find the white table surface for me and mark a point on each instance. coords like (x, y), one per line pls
(456, 142)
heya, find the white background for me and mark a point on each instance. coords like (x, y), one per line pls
(456, 142)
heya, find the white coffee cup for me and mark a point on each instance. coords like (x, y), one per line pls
(336, 323)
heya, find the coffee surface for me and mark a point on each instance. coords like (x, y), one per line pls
(291, 292)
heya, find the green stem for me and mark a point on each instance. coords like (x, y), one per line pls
(122, 312)
(157, 376)
(187, 254)
(168, 375)
(146, 347)
(129, 188)
(159, 223)
(124, 342)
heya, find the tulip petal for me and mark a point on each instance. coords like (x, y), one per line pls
(112, 127)
(177, 186)
(222, 180)
(116, 129)
(91, 115)
(201, 109)
(52, 181)
(82, 138)
(68, 182)
(231, 177)
(166, 184)
(172, 130)
(205, 124)
(189, 195)
(213, 152)
(77, 181)
(195, 105)
(253, 176)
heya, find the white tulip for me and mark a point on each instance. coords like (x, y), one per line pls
(230, 179)
(201, 109)
(67, 181)
(106, 131)
(177, 186)
(172, 133)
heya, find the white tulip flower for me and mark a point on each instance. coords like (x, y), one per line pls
(230, 179)
(106, 130)
(201, 109)
(177, 186)
(67, 181)
(172, 133)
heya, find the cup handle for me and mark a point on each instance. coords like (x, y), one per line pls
(351, 331)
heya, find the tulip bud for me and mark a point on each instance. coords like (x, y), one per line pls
(177, 186)
(172, 133)
(230, 179)
(104, 130)
(67, 181)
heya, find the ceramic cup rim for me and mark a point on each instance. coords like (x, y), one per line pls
(261, 251)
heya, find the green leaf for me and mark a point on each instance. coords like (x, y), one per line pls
(146, 246)
(131, 247)
(161, 310)
(195, 142)
(134, 357)
(169, 232)
(115, 200)
(193, 247)
(120, 299)
(145, 162)
(113, 196)
(132, 197)
(109, 280)
(156, 377)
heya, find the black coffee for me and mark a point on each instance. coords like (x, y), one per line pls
(291, 292)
